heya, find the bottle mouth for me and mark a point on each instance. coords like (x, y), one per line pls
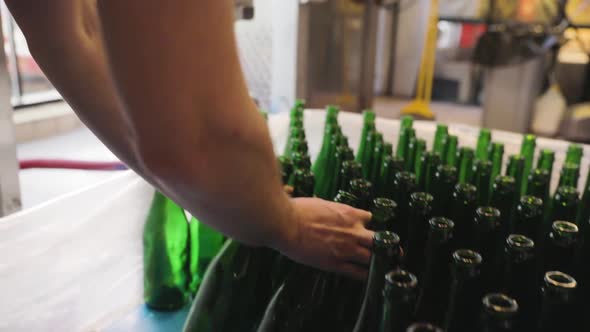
(385, 239)
(466, 192)
(505, 182)
(487, 213)
(406, 177)
(500, 303)
(424, 327)
(567, 193)
(401, 279)
(384, 204)
(346, 197)
(421, 199)
(540, 174)
(441, 223)
(448, 171)
(560, 280)
(565, 229)
(466, 257)
(519, 241)
(531, 203)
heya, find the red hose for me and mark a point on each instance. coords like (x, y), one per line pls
(72, 164)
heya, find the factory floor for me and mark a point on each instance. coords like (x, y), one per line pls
(41, 185)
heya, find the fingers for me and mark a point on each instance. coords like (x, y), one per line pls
(365, 238)
(360, 255)
(364, 216)
(353, 271)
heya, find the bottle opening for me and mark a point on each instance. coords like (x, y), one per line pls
(423, 327)
(441, 223)
(560, 280)
(467, 257)
(488, 212)
(384, 203)
(531, 201)
(567, 193)
(500, 303)
(520, 241)
(401, 279)
(385, 238)
(421, 199)
(405, 177)
(565, 228)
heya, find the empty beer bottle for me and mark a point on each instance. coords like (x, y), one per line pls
(561, 248)
(286, 168)
(463, 212)
(503, 193)
(539, 184)
(340, 157)
(465, 292)
(419, 154)
(399, 295)
(165, 255)
(527, 151)
(420, 211)
(466, 156)
(558, 299)
(376, 158)
(298, 145)
(406, 122)
(237, 285)
(410, 158)
(450, 157)
(482, 179)
(546, 160)
(304, 183)
(383, 211)
(519, 277)
(570, 174)
(425, 175)
(364, 152)
(391, 165)
(515, 169)
(351, 170)
(564, 205)
(423, 327)
(528, 219)
(368, 161)
(321, 166)
(433, 299)
(405, 186)
(445, 180)
(301, 161)
(205, 244)
(499, 313)
(496, 155)
(489, 243)
(440, 139)
(387, 255)
(483, 143)
(574, 154)
(403, 147)
(363, 190)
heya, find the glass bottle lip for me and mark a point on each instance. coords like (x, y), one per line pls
(487, 213)
(530, 206)
(504, 182)
(385, 239)
(483, 165)
(421, 199)
(559, 281)
(567, 193)
(539, 174)
(360, 186)
(467, 258)
(441, 228)
(400, 280)
(465, 192)
(446, 171)
(381, 203)
(520, 242)
(564, 231)
(346, 197)
(424, 327)
(500, 304)
(405, 177)
(369, 115)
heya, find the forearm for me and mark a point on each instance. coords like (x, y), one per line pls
(198, 132)
(64, 38)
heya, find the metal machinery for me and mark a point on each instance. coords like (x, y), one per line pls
(9, 184)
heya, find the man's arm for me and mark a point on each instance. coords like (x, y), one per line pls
(64, 37)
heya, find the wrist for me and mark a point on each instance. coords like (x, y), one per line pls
(287, 230)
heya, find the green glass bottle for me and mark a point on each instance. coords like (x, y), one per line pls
(299, 104)
(519, 277)
(165, 255)
(351, 169)
(400, 293)
(584, 210)
(465, 292)
(205, 245)
(500, 313)
(419, 216)
(515, 169)
(286, 168)
(425, 175)
(377, 158)
(574, 154)
(564, 205)
(423, 327)
(558, 303)
(451, 154)
(440, 138)
(466, 156)
(298, 145)
(368, 128)
(383, 211)
(483, 144)
(387, 149)
(368, 155)
(445, 180)
(405, 186)
(539, 184)
(561, 248)
(420, 150)
(403, 142)
(570, 174)
(237, 285)
(387, 256)
(482, 179)
(546, 160)
(303, 183)
(340, 158)
(489, 242)
(433, 298)
(406, 122)
(410, 157)
(527, 151)
(463, 212)
(384, 185)
(321, 165)
(496, 155)
(363, 190)
(528, 219)
(503, 196)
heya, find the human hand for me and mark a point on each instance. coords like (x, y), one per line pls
(329, 236)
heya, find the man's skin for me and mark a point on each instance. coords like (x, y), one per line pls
(159, 82)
